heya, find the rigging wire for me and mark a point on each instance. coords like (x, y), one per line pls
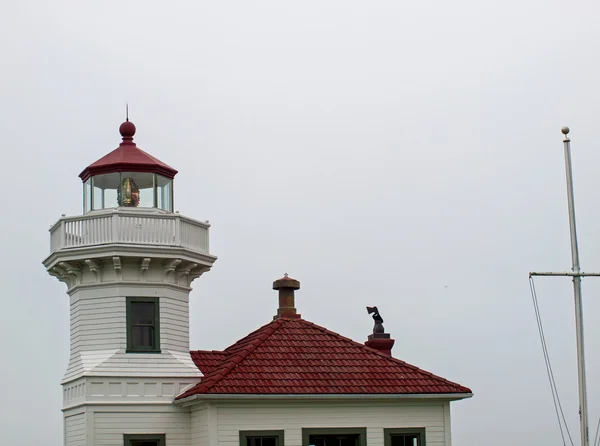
(557, 404)
(596, 437)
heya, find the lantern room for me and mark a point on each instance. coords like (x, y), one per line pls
(128, 177)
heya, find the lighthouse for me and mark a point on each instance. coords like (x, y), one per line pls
(128, 263)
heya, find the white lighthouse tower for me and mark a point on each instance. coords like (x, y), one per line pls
(128, 263)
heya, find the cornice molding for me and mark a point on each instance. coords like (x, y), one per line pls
(125, 250)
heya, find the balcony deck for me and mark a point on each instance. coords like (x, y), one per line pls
(129, 226)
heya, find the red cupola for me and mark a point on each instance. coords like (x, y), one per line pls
(128, 177)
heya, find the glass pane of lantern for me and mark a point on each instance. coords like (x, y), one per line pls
(110, 198)
(97, 198)
(105, 190)
(87, 196)
(136, 189)
(164, 188)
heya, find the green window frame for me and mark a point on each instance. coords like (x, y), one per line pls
(148, 328)
(254, 438)
(360, 431)
(407, 434)
(144, 440)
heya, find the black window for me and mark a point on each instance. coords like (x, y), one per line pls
(143, 325)
(144, 440)
(261, 438)
(334, 437)
(404, 437)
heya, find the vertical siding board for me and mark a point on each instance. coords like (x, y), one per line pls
(199, 428)
(447, 425)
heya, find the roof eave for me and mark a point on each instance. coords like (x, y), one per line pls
(90, 171)
(193, 399)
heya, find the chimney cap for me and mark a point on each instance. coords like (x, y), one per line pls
(286, 282)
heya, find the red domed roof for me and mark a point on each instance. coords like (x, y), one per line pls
(127, 158)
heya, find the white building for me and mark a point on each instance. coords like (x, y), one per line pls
(128, 263)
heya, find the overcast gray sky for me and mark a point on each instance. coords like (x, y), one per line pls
(400, 154)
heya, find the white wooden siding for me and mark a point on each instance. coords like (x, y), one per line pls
(174, 324)
(292, 418)
(75, 430)
(99, 337)
(97, 323)
(141, 365)
(102, 324)
(110, 426)
(199, 420)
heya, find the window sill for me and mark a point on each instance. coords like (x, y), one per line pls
(154, 352)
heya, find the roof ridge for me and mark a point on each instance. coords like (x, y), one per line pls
(248, 338)
(235, 358)
(209, 351)
(382, 355)
(152, 157)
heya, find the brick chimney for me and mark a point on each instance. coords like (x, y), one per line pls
(379, 340)
(286, 287)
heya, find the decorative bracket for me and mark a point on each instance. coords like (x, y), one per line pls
(171, 266)
(117, 266)
(71, 273)
(59, 273)
(95, 268)
(196, 273)
(144, 268)
(184, 273)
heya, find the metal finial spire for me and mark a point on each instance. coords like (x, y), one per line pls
(126, 111)
(285, 274)
(565, 131)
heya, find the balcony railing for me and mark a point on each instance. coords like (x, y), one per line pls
(129, 227)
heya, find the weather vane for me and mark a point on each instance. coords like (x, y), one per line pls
(378, 327)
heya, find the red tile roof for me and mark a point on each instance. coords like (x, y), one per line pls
(294, 356)
(209, 359)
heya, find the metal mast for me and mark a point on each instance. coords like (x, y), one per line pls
(577, 275)
(583, 415)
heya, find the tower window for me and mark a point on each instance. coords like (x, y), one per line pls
(143, 325)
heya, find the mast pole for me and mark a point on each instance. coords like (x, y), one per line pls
(583, 413)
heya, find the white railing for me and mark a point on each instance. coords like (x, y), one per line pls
(129, 227)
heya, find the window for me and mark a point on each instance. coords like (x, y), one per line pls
(144, 440)
(404, 437)
(334, 437)
(261, 438)
(143, 325)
